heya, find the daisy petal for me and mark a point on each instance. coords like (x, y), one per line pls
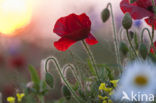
(91, 40)
(63, 44)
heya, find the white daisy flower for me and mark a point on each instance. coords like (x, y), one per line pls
(138, 79)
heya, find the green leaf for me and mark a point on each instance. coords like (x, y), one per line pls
(108, 70)
(91, 68)
(123, 48)
(34, 76)
(143, 51)
(49, 80)
(43, 87)
(109, 73)
(136, 41)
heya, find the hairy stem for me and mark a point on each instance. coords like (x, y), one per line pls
(91, 57)
(131, 43)
(79, 100)
(115, 36)
(142, 34)
(72, 68)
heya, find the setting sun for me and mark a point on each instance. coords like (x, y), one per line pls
(14, 14)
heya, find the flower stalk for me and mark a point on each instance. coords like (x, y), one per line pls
(131, 43)
(77, 98)
(116, 42)
(91, 57)
(72, 68)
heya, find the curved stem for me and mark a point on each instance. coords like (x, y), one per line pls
(91, 57)
(72, 68)
(115, 35)
(152, 32)
(149, 37)
(153, 3)
(154, 9)
(131, 43)
(79, 100)
(142, 34)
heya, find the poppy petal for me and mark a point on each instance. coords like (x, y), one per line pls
(63, 44)
(84, 19)
(144, 3)
(91, 40)
(134, 10)
(150, 22)
(60, 27)
(66, 25)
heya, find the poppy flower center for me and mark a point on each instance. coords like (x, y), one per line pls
(150, 8)
(141, 80)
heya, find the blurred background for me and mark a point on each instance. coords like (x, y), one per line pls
(26, 37)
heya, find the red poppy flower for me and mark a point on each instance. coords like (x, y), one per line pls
(8, 90)
(71, 29)
(17, 62)
(140, 9)
(152, 49)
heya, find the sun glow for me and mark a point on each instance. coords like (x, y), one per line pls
(14, 15)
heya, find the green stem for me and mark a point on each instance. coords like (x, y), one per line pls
(91, 57)
(142, 34)
(152, 32)
(115, 36)
(72, 68)
(41, 99)
(120, 33)
(154, 9)
(131, 43)
(79, 100)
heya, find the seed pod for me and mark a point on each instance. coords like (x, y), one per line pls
(143, 51)
(105, 14)
(49, 80)
(127, 21)
(66, 92)
(123, 48)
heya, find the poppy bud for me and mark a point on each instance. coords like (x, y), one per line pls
(66, 92)
(131, 33)
(127, 21)
(132, 1)
(123, 48)
(143, 51)
(49, 80)
(105, 14)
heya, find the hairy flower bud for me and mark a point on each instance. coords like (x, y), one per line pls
(131, 34)
(127, 21)
(143, 51)
(123, 48)
(66, 92)
(49, 80)
(105, 14)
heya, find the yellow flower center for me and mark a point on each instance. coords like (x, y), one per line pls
(141, 80)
